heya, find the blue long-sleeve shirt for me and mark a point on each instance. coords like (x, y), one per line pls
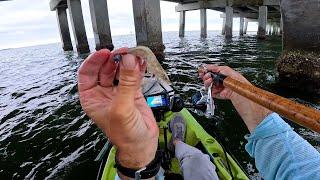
(280, 153)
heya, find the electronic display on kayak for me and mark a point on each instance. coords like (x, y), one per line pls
(157, 101)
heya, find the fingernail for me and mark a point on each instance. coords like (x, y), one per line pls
(129, 62)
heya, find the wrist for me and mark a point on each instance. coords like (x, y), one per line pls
(147, 171)
(136, 158)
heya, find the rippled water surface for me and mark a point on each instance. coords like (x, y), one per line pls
(44, 134)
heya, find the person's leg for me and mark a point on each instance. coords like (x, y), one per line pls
(193, 163)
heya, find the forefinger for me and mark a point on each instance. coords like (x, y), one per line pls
(88, 74)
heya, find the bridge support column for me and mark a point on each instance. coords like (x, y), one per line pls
(281, 25)
(241, 26)
(274, 29)
(182, 23)
(62, 19)
(246, 22)
(78, 27)
(299, 65)
(147, 20)
(203, 22)
(270, 29)
(100, 24)
(223, 26)
(229, 22)
(263, 16)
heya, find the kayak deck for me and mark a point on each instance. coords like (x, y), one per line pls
(195, 136)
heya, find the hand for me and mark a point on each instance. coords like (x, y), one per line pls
(220, 92)
(120, 111)
(251, 113)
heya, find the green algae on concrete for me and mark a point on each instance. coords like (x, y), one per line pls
(300, 70)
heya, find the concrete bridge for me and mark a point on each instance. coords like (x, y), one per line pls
(296, 20)
(147, 18)
(299, 66)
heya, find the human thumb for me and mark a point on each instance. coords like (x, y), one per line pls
(130, 79)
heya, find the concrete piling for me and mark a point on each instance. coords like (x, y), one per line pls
(274, 29)
(223, 26)
(299, 66)
(263, 11)
(241, 25)
(182, 23)
(229, 22)
(147, 20)
(270, 29)
(78, 27)
(281, 25)
(64, 28)
(100, 24)
(246, 22)
(203, 22)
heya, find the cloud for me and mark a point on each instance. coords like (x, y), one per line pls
(24, 23)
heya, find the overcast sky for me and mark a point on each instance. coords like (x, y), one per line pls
(30, 22)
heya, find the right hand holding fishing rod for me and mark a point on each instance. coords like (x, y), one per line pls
(120, 111)
(251, 113)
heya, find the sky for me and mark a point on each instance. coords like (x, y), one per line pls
(30, 22)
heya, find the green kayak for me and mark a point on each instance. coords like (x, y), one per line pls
(195, 136)
(227, 167)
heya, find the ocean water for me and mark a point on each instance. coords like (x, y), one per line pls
(44, 134)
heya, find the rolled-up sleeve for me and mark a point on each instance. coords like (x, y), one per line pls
(280, 153)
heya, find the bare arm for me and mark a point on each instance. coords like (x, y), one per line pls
(251, 113)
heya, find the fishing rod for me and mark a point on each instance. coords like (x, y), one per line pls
(298, 113)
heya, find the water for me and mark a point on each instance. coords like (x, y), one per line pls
(44, 134)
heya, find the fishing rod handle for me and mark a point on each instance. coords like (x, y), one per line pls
(298, 113)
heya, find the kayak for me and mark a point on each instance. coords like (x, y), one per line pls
(227, 167)
(195, 136)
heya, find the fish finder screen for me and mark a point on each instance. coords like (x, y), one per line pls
(157, 101)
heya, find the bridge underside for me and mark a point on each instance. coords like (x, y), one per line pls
(265, 11)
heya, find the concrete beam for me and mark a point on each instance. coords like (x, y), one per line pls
(62, 19)
(277, 8)
(201, 5)
(203, 22)
(182, 23)
(54, 4)
(271, 2)
(253, 16)
(100, 24)
(253, 8)
(229, 22)
(147, 20)
(78, 27)
(263, 17)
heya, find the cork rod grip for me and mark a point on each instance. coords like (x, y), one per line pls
(298, 113)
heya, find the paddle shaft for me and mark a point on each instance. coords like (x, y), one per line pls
(298, 113)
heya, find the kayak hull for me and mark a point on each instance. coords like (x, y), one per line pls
(195, 136)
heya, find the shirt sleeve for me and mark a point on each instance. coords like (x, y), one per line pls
(280, 153)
